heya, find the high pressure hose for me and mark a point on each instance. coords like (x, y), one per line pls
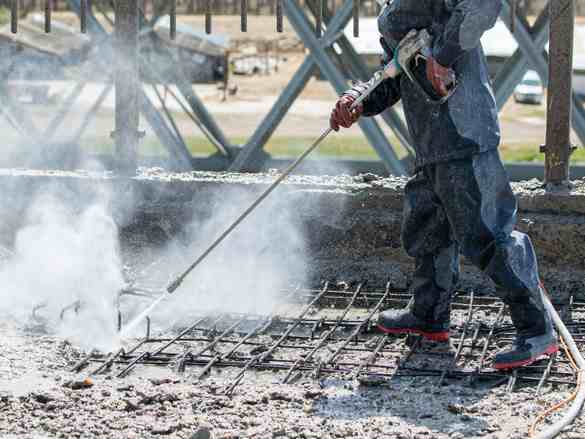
(579, 396)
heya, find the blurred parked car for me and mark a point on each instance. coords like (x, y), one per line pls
(530, 90)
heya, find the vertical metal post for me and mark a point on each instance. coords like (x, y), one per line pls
(208, 12)
(47, 16)
(356, 18)
(244, 15)
(173, 17)
(559, 101)
(279, 16)
(14, 16)
(128, 85)
(319, 18)
(84, 5)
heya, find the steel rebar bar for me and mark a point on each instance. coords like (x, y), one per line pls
(325, 338)
(461, 342)
(262, 356)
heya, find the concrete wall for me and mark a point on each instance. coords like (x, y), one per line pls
(352, 224)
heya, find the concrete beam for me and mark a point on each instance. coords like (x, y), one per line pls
(351, 224)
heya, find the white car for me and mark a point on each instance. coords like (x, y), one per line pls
(530, 90)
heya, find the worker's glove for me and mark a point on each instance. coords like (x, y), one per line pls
(343, 115)
(441, 78)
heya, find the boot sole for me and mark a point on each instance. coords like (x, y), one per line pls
(433, 336)
(515, 364)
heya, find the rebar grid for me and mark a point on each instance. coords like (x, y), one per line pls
(331, 331)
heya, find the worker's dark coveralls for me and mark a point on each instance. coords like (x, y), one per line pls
(460, 200)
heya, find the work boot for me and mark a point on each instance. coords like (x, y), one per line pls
(404, 321)
(535, 337)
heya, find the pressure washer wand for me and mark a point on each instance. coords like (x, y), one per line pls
(389, 71)
(179, 280)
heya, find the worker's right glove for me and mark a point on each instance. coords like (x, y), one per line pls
(343, 115)
(442, 78)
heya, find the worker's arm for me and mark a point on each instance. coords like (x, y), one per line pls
(464, 29)
(382, 97)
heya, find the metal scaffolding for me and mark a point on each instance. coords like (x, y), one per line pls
(329, 51)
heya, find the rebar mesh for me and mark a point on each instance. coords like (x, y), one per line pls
(331, 331)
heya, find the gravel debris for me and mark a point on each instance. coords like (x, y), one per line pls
(178, 406)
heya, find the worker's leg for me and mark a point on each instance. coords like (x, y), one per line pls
(481, 208)
(426, 237)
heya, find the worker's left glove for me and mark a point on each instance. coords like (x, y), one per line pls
(343, 115)
(441, 78)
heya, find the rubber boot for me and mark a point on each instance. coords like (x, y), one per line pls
(404, 321)
(535, 337)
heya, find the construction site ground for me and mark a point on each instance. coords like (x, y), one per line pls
(41, 397)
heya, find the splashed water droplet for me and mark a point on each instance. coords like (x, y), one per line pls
(127, 330)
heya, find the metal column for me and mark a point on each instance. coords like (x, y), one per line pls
(559, 101)
(179, 156)
(128, 85)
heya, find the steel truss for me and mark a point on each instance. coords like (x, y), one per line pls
(320, 57)
(330, 51)
(531, 42)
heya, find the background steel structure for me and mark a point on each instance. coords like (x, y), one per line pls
(331, 52)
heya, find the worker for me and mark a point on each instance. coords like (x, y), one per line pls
(459, 200)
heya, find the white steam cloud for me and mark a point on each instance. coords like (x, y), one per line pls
(67, 251)
(62, 255)
(265, 255)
